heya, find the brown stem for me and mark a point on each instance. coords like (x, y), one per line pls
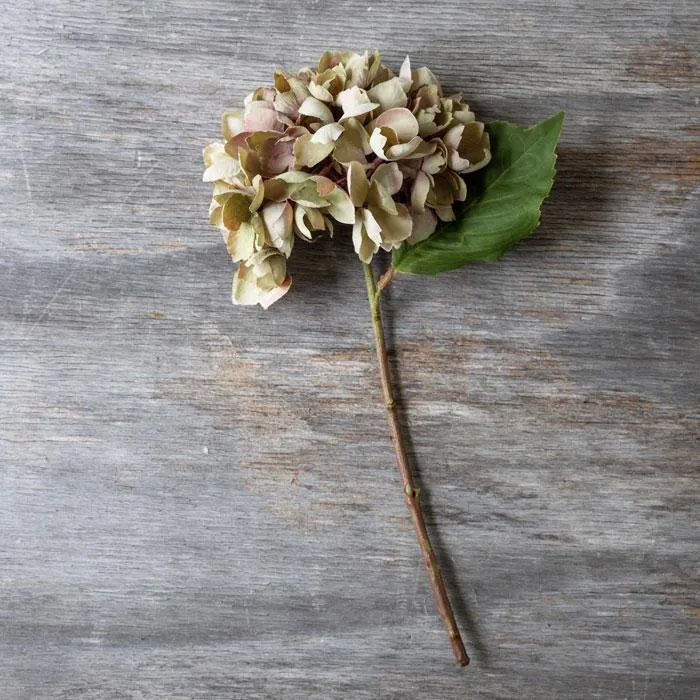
(411, 492)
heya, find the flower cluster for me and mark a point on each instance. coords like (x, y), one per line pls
(348, 143)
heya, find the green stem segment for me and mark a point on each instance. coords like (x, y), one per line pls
(411, 492)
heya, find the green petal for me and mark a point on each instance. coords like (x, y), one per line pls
(308, 153)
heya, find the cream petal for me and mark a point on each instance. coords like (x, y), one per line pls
(225, 168)
(231, 124)
(245, 291)
(307, 153)
(396, 228)
(358, 184)
(328, 133)
(278, 217)
(389, 176)
(320, 92)
(453, 136)
(401, 121)
(372, 227)
(378, 142)
(300, 222)
(419, 193)
(241, 242)
(213, 152)
(364, 246)
(277, 293)
(313, 107)
(415, 148)
(388, 94)
(405, 75)
(424, 76)
(456, 162)
(340, 207)
(379, 198)
(424, 225)
(354, 103)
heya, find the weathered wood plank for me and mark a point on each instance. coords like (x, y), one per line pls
(199, 501)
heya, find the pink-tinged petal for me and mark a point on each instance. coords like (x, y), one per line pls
(276, 157)
(401, 121)
(389, 177)
(277, 293)
(260, 117)
(424, 225)
(419, 193)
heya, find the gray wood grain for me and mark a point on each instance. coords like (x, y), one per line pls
(200, 501)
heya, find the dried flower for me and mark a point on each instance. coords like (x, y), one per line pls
(348, 143)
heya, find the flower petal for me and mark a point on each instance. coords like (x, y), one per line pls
(401, 121)
(277, 293)
(308, 153)
(405, 75)
(313, 107)
(415, 148)
(225, 168)
(340, 207)
(365, 245)
(358, 184)
(277, 217)
(419, 193)
(260, 117)
(231, 124)
(320, 92)
(388, 94)
(424, 225)
(354, 103)
(389, 177)
(396, 228)
(328, 133)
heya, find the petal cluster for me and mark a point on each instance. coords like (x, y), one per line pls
(347, 143)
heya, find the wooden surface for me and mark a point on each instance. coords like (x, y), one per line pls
(200, 501)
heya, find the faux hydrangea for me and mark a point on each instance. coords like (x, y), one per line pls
(348, 143)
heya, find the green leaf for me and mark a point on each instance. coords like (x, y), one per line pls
(503, 206)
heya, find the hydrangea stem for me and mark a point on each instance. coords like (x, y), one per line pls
(411, 492)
